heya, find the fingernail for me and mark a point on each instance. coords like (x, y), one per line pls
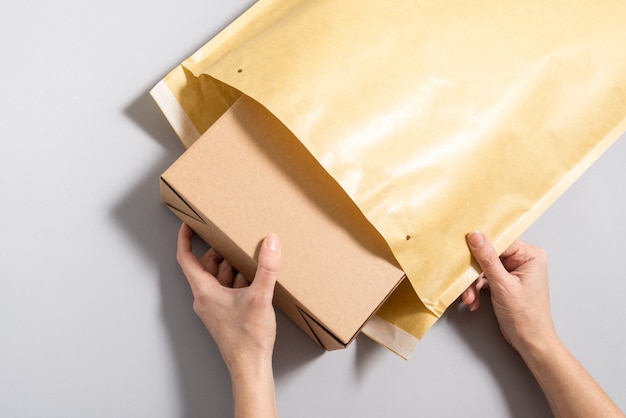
(272, 242)
(476, 239)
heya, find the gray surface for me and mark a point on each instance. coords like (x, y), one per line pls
(95, 316)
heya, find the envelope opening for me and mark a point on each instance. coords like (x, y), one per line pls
(246, 177)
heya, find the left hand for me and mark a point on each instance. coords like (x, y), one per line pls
(240, 318)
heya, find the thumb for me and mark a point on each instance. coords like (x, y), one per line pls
(486, 256)
(269, 264)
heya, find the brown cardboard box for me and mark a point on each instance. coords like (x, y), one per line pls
(248, 176)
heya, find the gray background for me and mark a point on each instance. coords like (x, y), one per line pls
(95, 315)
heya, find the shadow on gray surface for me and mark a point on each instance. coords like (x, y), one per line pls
(203, 379)
(482, 334)
(368, 352)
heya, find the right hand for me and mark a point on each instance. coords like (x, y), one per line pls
(518, 282)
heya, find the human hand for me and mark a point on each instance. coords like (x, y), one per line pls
(240, 318)
(518, 282)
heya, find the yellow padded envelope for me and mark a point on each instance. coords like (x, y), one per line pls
(436, 118)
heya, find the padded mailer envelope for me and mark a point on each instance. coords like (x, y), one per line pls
(436, 118)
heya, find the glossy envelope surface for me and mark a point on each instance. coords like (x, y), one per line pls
(436, 118)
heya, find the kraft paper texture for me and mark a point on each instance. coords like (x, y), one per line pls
(436, 118)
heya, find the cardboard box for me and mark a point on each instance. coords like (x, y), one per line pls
(248, 176)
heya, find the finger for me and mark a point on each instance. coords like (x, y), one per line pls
(515, 255)
(211, 260)
(189, 263)
(225, 274)
(239, 281)
(471, 295)
(481, 282)
(521, 253)
(486, 256)
(268, 266)
(185, 233)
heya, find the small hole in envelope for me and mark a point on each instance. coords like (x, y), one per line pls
(408, 237)
(240, 70)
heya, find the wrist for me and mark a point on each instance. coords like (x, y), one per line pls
(538, 347)
(250, 368)
(253, 388)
